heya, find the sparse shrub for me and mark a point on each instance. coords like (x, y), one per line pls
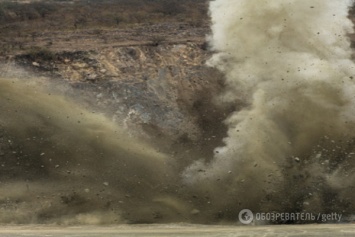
(117, 20)
(157, 40)
(40, 54)
(171, 7)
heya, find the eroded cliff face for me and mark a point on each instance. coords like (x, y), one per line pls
(61, 161)
(162, 92)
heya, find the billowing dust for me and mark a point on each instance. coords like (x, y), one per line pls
(291, 149)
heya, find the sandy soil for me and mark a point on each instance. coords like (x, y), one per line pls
(181, 230)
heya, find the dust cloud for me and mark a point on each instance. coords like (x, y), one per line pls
(63, 164)
(291, 149)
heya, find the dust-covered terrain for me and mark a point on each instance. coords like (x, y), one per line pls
(178, 230)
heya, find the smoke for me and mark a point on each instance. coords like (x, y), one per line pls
(291, 148)
(60, 163)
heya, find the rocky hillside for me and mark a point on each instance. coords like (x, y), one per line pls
(148, 75)
(161, 91)
(142, 63)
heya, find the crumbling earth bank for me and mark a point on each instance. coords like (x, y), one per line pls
(163, 92)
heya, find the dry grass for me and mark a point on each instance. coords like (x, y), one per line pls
(24, 18)
(68, 25)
